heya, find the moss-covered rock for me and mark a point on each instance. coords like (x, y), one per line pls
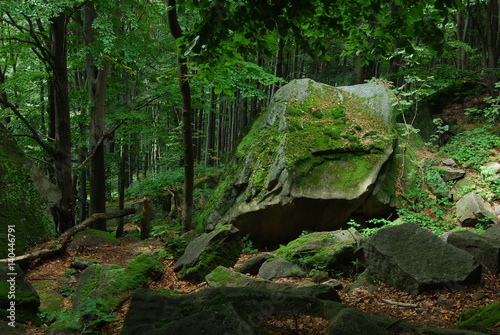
(112, 283)
(329, 251)
(309, 163)
(24, 208)
(485, 317)
(205, 253)
(91, 237)
(19, 301)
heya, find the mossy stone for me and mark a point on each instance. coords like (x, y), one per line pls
(306, 164)
(485, 317)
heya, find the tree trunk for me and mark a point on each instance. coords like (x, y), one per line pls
(210, 140)
(64, 215)
(96, 80)
(187, 132)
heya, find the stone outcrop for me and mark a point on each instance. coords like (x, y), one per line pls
(414, 260)
(316, 157)
(205, 253)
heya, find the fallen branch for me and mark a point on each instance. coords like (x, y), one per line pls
(66, 237)
(401, 304)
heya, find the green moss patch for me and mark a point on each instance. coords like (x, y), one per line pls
(485, 317)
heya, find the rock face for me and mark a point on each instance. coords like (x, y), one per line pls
(471, 208)
(413, 260)
(205, 253)
(25, 197)
(484, 249)
(315, 158)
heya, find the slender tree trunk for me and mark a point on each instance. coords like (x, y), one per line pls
(210, 140)
(187, 132)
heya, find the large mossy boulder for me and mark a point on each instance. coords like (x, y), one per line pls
(219, 247)
(25, 198)
(414, 260)
(315, 158)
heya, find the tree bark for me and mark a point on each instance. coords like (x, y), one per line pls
(64, 215)
(187, 132)
(96, 80)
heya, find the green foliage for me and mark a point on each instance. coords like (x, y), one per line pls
(249, 249)
(473, 148)
(177, 246)
(491, 112)
(69, 319)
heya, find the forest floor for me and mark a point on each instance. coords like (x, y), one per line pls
(439, 309)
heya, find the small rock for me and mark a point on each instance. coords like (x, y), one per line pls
(334, 283)
(252, 265)
(478, 296)
(279, 268)
(449, 162)
(493, 166)
(320, 276)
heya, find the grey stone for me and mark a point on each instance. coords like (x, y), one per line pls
(484, 249)
(205, 253)
(252, 265)
(82, 263)
(493, 232)
(414, 260)
(471, 208)
(449, 162)
(279, 268)
(449, 174)
(494, 167)
(293, 179)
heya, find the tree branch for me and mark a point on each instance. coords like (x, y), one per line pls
(66, 237)
(29, 126)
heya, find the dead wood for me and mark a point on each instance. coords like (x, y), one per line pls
(66, 237)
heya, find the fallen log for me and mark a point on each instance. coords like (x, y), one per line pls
(66, 237)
